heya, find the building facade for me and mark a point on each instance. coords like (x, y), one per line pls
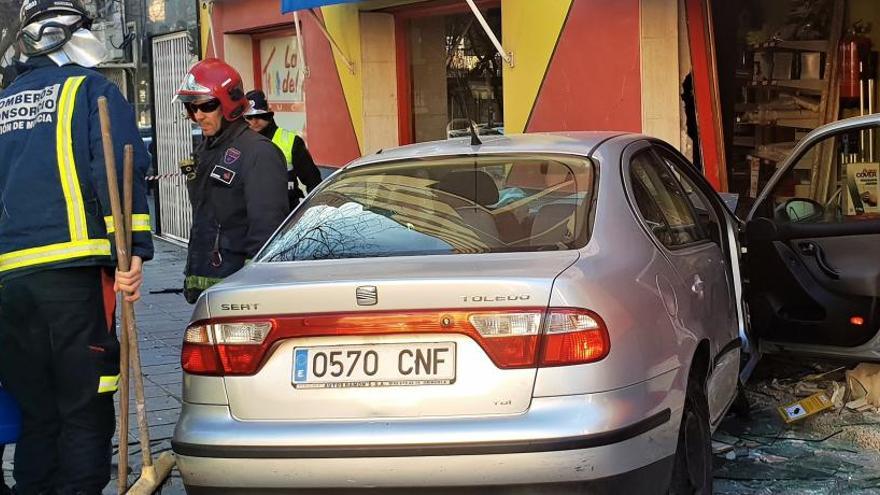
(363, 76)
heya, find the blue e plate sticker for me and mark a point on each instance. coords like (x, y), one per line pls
(300, 365)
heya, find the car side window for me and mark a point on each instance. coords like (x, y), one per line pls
(663, 203)
(705, 214)
(837, 180)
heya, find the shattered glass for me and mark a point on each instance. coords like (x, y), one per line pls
(837, 451)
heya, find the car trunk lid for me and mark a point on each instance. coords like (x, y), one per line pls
(414, 322)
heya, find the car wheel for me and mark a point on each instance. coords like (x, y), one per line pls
(741, 407)
(692, 472)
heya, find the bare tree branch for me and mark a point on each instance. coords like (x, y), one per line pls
(8, 29)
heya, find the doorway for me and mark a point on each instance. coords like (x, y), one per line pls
(449, 72)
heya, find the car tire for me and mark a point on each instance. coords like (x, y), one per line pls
(692, 471)
(741, 406)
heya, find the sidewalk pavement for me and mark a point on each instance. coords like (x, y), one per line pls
(161, 320)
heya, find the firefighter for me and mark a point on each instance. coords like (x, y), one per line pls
(59, 355)
(238, 185)
(299, 161)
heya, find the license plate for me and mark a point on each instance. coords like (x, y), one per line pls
(379, 365)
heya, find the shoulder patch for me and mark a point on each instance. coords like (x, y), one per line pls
(232, 155)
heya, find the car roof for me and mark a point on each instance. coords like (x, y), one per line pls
(581, 143)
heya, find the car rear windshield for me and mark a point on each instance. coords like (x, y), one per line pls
(460, 205)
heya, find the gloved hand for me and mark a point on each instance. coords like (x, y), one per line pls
(188, 168)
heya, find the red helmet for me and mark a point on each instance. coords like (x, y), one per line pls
(213, 78)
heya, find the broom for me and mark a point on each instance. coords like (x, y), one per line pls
(151, 475)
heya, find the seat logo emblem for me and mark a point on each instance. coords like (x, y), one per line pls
(367, 295)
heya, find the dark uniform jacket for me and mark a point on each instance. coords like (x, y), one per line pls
(239, 198)
(304, 168)
(54, 202)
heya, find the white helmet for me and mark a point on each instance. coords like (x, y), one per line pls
(59, 29)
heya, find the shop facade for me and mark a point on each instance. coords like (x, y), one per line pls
(363, 76)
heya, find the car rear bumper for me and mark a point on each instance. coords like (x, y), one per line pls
(578, 438)
(650, 479)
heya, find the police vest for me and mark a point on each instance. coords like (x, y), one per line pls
(284, 140)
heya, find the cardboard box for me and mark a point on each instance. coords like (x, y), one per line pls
(805, 407)
(862, 188)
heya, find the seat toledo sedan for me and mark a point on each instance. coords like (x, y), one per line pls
(560, 311)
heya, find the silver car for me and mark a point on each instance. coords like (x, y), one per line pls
(563, 311)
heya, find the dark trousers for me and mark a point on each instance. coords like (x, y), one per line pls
(56, 342)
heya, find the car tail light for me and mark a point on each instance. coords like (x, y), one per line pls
(225, 348)
(510, 338)
(573, 336)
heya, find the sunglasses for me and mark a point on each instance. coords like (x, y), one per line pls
(254, 117)
(206, 107)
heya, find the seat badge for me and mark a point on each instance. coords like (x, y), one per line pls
(367, 295)
(223, 174)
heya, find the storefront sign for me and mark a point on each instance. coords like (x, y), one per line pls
(293, 5)
(281, 71)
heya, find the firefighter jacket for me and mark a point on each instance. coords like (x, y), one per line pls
(239, 198)
(300, 164)
(54, 202)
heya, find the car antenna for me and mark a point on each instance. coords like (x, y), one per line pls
(475, 138)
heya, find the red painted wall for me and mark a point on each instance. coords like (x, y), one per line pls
(593, 81)
(329, 132)
(248, 15)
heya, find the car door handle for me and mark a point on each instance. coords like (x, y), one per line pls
(698, 286)
(809, 248)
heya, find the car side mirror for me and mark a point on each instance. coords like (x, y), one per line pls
(802, 210)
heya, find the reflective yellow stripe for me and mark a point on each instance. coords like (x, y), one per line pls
(76, 213)
(284, 140)
(54, 252)
(199, 282)
(139, 223)
(108, 384)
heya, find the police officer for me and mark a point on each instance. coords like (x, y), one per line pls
(299, 161)
(238, 188)
(59, 355)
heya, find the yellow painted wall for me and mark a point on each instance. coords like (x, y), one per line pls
(204, 28)
(343, 23)
(530, 29)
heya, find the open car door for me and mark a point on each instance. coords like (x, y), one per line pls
(812, 262)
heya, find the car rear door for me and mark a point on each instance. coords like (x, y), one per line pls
(688, 227)
(813, 245)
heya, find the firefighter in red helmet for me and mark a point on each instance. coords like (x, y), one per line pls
(238, 184)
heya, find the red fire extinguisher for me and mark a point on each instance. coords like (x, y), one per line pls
(855, 53)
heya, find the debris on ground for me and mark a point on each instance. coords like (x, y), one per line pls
(805, 408)
(835, 450)
(863, 382)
